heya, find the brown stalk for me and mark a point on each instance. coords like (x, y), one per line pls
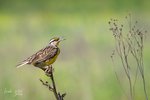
(52, 88)
(129, 44)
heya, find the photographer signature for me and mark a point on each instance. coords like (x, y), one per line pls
(16, 92)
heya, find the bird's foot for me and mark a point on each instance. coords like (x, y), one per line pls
(49, 70)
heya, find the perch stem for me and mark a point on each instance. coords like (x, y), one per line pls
(49, 73)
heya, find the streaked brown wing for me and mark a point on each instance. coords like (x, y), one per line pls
(50, 52)
(43, 54)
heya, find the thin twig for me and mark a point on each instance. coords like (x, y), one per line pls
(49, 73)
(130, 44)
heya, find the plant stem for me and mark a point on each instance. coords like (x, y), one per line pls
(49, 73)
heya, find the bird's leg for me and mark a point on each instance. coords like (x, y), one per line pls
(46, 69)
(49, 70)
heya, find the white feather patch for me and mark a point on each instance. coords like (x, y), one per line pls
(23, 63)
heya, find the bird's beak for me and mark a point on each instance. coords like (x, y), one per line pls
(61, 39)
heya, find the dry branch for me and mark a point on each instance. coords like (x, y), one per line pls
(129, 45)
(52, 88)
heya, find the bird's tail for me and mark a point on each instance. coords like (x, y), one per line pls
(23, 63)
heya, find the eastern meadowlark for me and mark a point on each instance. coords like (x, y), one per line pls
(44, 57)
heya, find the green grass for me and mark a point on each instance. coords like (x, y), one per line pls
(83, 70)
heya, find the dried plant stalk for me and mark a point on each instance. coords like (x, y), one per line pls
(49, 73)
(129, 44)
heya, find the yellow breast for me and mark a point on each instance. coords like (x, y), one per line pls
(52, 60)
(48, 61)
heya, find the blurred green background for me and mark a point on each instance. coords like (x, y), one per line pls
(84, 69)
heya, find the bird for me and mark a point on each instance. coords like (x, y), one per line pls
(44, 57)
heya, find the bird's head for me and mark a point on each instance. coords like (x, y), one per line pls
(55, 41)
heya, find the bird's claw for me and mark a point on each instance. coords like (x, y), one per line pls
(49, 70)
